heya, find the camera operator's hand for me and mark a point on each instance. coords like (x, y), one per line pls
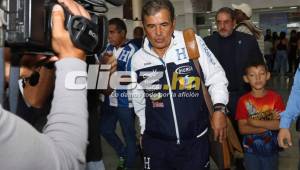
(37, 95)
(109, 59)
(61, 42)
(30, 61)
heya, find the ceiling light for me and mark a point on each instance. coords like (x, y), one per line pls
(293, 25)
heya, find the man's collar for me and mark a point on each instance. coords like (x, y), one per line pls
(123, 45)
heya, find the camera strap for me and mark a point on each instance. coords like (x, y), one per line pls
(84, 33)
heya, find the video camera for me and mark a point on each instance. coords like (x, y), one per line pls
(29, 25)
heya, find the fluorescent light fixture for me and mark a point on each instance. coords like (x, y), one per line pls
(293, 25)
(293, 7)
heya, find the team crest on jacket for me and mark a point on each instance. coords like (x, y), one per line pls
(156, 99)
(156, 96)
(187, 81)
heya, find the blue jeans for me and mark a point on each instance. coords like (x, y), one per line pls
(281, 64)
(95, 165)
(108, 120)
(257, 162)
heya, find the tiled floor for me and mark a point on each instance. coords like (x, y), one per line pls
(288, 158)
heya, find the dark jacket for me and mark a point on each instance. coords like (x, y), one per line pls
(246, 50)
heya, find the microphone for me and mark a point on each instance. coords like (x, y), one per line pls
(116, 2)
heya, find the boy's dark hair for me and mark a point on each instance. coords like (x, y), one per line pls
(120, 24)
(255, 63)
(226, 10)
(153, 6)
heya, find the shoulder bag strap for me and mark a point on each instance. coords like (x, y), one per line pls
(193, 52)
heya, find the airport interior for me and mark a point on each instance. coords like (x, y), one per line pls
(269, 16)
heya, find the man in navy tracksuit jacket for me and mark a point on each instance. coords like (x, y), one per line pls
(168, 99)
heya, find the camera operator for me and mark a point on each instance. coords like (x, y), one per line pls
(62, 145)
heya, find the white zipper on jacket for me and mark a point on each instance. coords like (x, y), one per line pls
(170, 93)
(173, 106)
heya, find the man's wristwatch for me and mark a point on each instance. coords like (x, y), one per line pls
(221, 108)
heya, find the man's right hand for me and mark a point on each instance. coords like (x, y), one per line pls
(61, 41)
(284, 138)
(219, 126)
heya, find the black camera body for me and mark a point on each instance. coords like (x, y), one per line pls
(29, 27)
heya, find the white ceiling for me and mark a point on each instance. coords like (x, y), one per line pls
(253, 3)
(185, 6)
(256, 3)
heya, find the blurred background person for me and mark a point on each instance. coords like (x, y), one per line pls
(243, 14)
(281, 56)
(138, 36)
(292, 51)
(268, 51)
